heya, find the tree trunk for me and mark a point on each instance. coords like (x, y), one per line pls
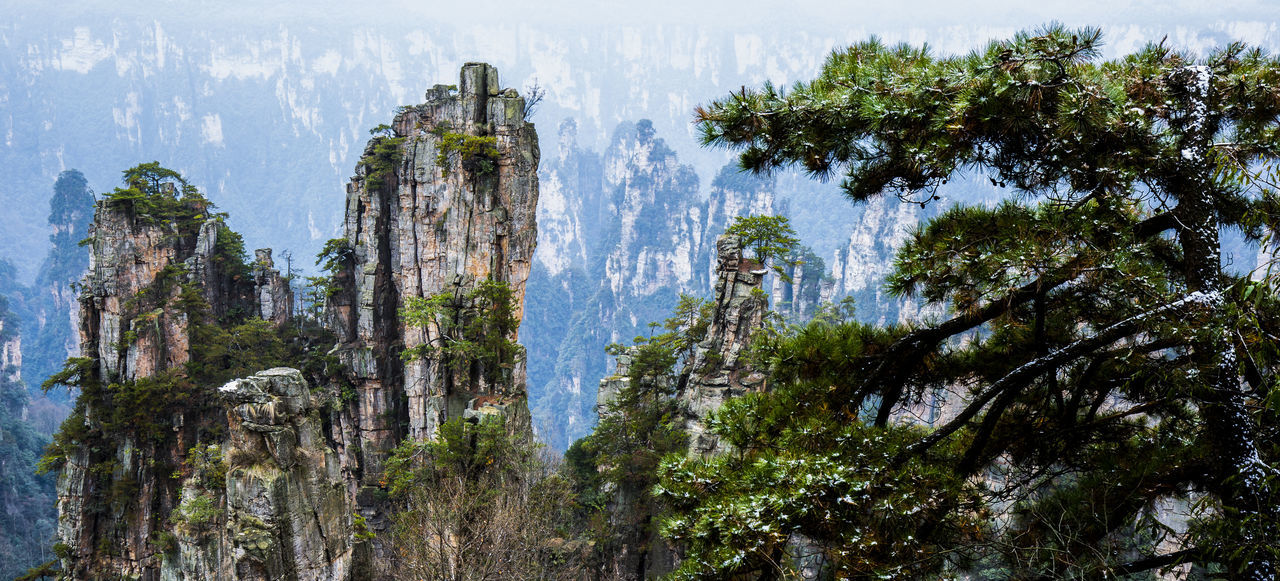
(1240, 476)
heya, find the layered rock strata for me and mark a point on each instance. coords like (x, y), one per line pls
(719, 369)
(116, 491)
(270, 476)
(444, 215)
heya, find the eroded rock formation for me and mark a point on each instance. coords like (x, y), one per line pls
(169, 474)
(438, 206)
(116, 492)
(719, 370)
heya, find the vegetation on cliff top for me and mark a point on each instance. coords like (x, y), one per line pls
(150, 414)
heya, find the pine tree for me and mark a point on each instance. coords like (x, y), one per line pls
(1102, 358)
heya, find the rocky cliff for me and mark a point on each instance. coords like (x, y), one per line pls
(719, 369)
(440, 213)
(275, 505)
(441, 204)
(171, 468)
(627, 232)
(160, 313)
(716, 370)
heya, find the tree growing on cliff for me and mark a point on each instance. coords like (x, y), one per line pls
(471, 333)
(1098, 354)
(768, 237)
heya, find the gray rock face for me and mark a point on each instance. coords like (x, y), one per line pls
(268, 486)
(272, 294)
(441, 204)
(127, 259)
(626, 233)
(280, 508)
(134, 327)
(425, 228)
(719, 370)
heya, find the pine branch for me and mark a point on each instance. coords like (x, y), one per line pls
(1023, 374)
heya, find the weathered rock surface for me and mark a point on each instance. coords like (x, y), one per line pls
(719, 370)
(115, 495)
(272, 294)
(427, 216)
(10, 349)
(421, 229)
(281, 507)
(268, 477)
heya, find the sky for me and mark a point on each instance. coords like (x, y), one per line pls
(828, 15)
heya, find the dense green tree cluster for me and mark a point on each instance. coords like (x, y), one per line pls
(768, 237)
(1098, 361)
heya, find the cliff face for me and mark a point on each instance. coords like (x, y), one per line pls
(442, 207)
(169, 471)
(719, 370)
(287, 514)
(434, 209)
(716, 371)
(165, 283)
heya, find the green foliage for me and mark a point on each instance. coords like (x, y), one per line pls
(474, 329)
(165, 542)
(207, 466)
(75, 372)
(461, 449)
(159, 195)
(62, 550)
(197, 513)
(768, 237)
(360, 528)
(229, 254)
(39, 572)
(640, 424)
(382, 159)
(805, 471)
(478, 155)
(27, 498)
(654, 358)
(336, 255)
(1094, 332)
(844, 311)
